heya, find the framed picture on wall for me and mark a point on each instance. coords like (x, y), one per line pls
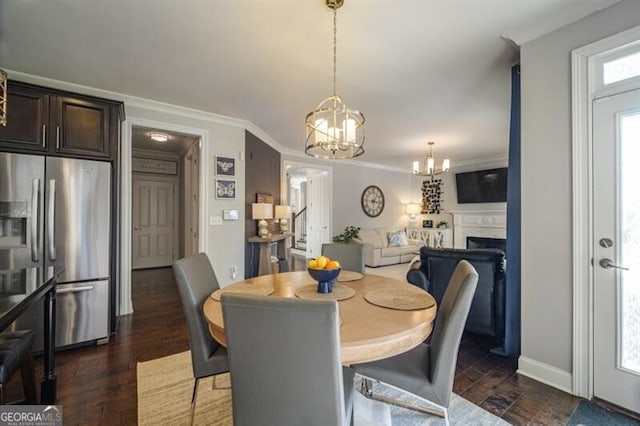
(226, 189)
(225, 166)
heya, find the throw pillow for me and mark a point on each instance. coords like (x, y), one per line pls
(398, 239)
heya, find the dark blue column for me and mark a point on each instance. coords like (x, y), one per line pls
(512, 313)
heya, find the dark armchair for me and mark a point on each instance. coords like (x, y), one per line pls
(487, 314)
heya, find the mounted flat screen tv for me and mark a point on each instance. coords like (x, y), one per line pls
(482, 186)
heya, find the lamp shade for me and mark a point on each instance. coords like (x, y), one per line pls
(283, 212)
(262, 211)
(413, 208)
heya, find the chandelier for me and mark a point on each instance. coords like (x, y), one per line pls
(428, 166)
(333, 130)
(3, 98)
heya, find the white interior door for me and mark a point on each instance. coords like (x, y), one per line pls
(616, 247)
(318, 213)
(153, 239)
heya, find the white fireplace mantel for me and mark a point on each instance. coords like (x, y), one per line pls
(478, 223)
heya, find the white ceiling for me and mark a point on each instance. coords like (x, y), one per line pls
(418, 69)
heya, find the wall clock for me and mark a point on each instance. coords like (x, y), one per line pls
(372, 201)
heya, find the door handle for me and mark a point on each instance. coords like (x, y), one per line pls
(608, 264)
(35, 189)
(137, 228)
(51, 219)
(74, 289)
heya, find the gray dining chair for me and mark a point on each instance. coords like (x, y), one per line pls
(284, 359)
(428, 370)
(350, 256)
(196, 281)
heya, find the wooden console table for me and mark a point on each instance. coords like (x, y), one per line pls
(264, 263)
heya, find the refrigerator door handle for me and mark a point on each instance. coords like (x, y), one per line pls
(74, 289)
(51, 216)
(35, 189)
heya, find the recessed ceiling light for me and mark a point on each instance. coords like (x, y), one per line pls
(159, 137)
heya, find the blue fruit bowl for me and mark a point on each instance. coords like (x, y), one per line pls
(325, 278)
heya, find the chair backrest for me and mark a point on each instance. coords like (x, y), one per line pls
(350, 256)
(449, 325)
(196, 281)
(284, 359)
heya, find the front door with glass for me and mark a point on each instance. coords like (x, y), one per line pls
(616, 249)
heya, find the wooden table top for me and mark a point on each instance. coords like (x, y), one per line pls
(367, 332)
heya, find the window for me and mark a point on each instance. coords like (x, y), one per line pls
(621, 68)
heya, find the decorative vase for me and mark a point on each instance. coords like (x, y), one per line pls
(325, 277)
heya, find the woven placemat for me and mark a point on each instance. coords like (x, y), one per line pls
(339, 292)
(257, 290)
(349, 276)
(405, 298)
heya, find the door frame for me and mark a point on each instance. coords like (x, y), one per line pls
(173, 180)
(126, 303)
(584, 88)
(284, 189)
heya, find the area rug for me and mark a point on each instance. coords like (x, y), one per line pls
(164, 398)
(589, 414)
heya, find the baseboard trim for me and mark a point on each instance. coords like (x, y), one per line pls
(545, 373)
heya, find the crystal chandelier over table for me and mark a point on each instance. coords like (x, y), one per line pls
(333, 130)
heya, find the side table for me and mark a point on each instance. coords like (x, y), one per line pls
(264, 262)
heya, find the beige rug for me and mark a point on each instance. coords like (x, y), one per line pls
(165, 386)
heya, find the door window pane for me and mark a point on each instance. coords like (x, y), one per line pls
(630, 240)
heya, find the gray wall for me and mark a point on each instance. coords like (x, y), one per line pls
(546, 182)
(348, 184)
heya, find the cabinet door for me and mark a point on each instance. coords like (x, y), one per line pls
(27, 120)
(81, 127)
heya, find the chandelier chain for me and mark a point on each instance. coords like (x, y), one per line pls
(335, 48)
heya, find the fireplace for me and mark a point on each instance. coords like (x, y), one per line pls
(483, 242)
(489, 224)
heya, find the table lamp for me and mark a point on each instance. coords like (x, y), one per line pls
(260, 212)
(283, 213)
(413, 209)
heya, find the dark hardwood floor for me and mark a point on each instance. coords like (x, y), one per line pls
(97, 385)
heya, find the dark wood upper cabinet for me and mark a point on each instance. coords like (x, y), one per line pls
(82, 127)
(27, 120)
(59, 123)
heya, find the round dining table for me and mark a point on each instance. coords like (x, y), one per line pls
(368, 332)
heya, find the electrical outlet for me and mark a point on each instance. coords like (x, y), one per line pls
(233, 273)
(215, 220)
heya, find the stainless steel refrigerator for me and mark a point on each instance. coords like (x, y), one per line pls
(55, 212)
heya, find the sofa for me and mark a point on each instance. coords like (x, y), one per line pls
(487, 315)
(381, 247)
